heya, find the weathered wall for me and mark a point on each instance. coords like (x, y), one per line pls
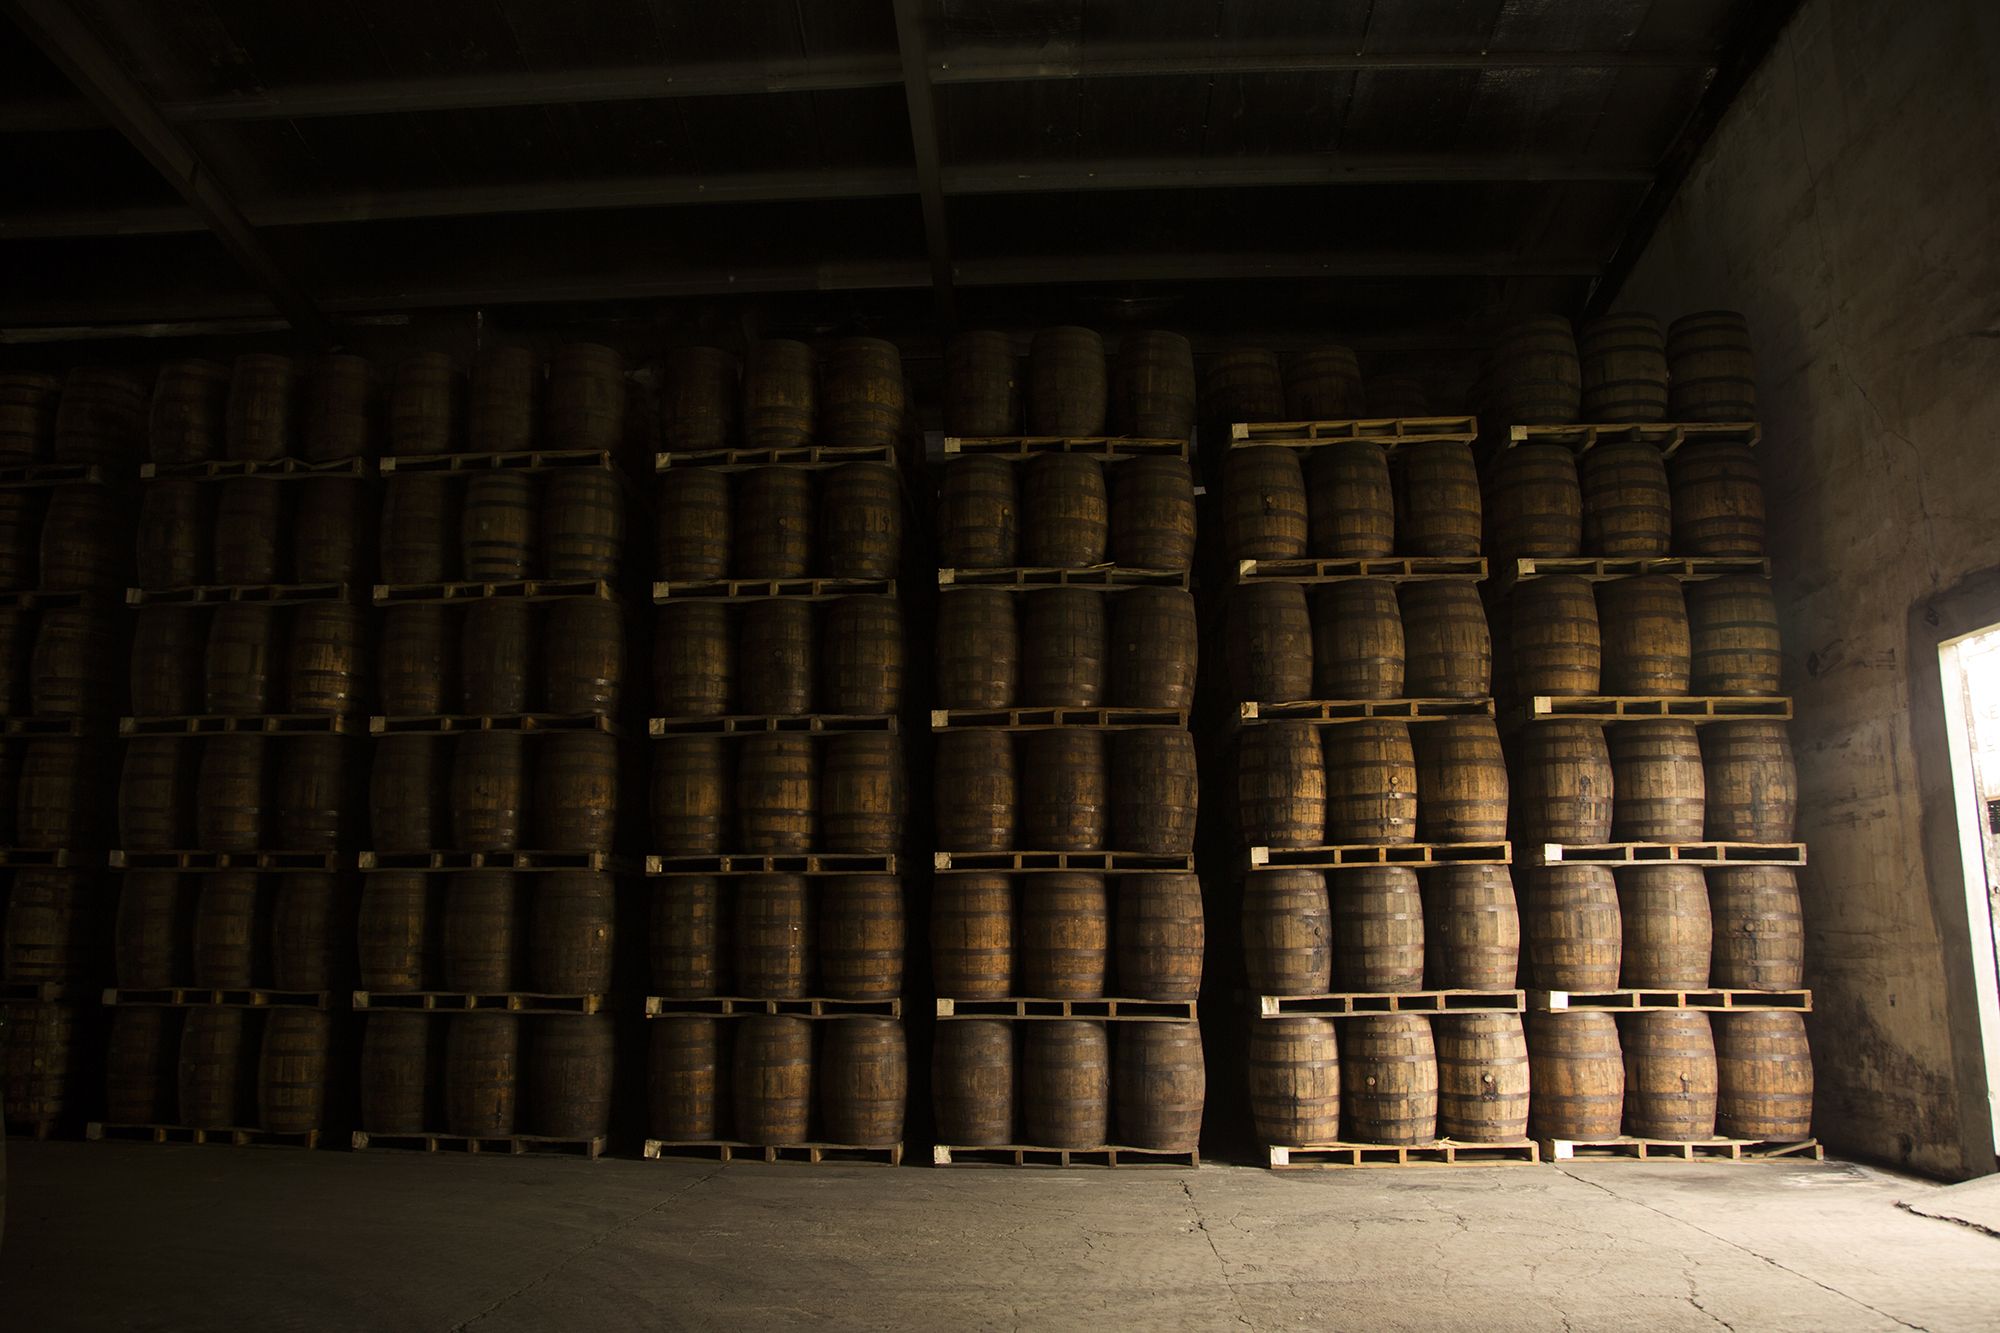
(1849, 205)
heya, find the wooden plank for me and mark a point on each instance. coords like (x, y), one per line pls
(736, 1006)
(1635, 1000)
(1670, 853)
(1034, 1007)
(1347, 856)
(1028, 578)
(1361, 1004)
(1388, 431)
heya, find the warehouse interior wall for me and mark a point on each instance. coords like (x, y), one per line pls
(1849, 204)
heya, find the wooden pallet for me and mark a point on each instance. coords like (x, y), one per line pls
(50, 858)
(1022, 1154)
(1389, 568)
(445, 861)
(1602, 568)
(52, 726)
(1377, 430)
(39, 992)
(758, 724)
(764, 590)
(1105, 1010)
(268, 594)
(20, 476)
(1635, 1000)
(1681, 1150)
(241, 1137)
(814, 1154)
(273, 469)
(1033, 578)
(1666, 436)
(1110, 448)
(41, 1129)
(221, 997)
(1347, 856)
(1363, 1004)
(1331, 711)
(43, 599)
(1673, 853)
(1050, 719)
(513, 1145)
(736, 1006)
(803, 455)
(520, 460)
(1695, 708)
(452, 724)
(470, 590)
(778, 863)
(265, 724)
(1443, 1152)
(196, 860)
(465, 1002)
(1017, 863)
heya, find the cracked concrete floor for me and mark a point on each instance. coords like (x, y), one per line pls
(130, 1236)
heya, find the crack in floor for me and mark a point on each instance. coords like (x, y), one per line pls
(1201, 1225)
(1967, 1223)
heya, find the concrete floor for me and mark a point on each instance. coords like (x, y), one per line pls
(123, 1236)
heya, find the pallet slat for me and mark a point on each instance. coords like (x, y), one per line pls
(1047, 719)
(1107, 447)
(512, 1145)
(1030, 1155)
(465, 590)
(1443, 1152)
(1696, 708)
(1393, 569)
(1128, 863)
(513, 1002)
(757, 724)
(240, 1137)
(812, 1154)
(1024, 578)
(777, 863)
(1666, 436)
(224, 997)
(1332, 711)
(1109, 1009)
(1345, 856)
(520, 860)
(736, 1006)
(1380, 430)
(1680, 853)
(1356, 1004)
(1635, 1000)
(797, 590)
(1681, 1150)
(806, 455)
(458, 723)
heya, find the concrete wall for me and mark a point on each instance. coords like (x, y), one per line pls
(1849, 205)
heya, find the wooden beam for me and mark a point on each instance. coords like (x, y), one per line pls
(910, 44)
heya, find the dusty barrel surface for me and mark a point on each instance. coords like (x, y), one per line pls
(1472, 927)
(862, 796)
(1159, 934)
(1064, 803)
(861, 521)
(1350, 502)
(1323, 384)
(1270, 650)
(1712, 367)
(1065, 932)
(776, 657)
(1657, 784)
(780, 394)
(1733, 636)
(1483, 1078)
(1295, 1080)
(1533, 503)
(1554, 637)
(325, 658)
(1378, 930)
(978, 651)
(480, 940)
(861, 395)
(576, 791)
(1281, 785)
(215, 1073)
(586, 397)
(1764, 1075)
(1752, 781)
(397, 1060)
(1371, 783)
(1461, 781)
(1160, 1085)
(972, 936)
(1264, 512)
(571, 931)
(699, 396)
(1447, 646)
(860, 936)
(686, 1079)
(489, 791)
(1152, 385)
(139, 1065)
(1438, 509)
(1562, 783)
(1065, 512)
(1242, 384)
(1068, 389)
(407, 793)
(973, 1081)
(1153, 649)
(291, 1070)
(482, 1074)
(773, 524)
(1533, 376)
(777, 792)
(1154, 791)
(694, 660)
(1623, 358)
(1626, 510)
(773, 1079)
(1152, 514)
(1287, 924)
(393, 931)
(1388, 1080)
(1577, 1072)
(1665, 922)
(1758, 932)
(1358, 647)
(501, 401)
(1718, 500)
(1571, 928)
(249, 541)
(419, 523)
(498, 527)
(976, 800)
(863, 1077)
(1066, 1084)
(982, 384)
(341, 409)
(978, 514)
(687, 953)
(582, 524)
(693, 536)
(570, 1068)
(231, 794)
(861, 655)
(583, 656)
(1670, 1075)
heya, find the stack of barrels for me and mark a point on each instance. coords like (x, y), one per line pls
(493, 793)
(1047, 780)
(68, 450)
(1244, 382)
(778, 795)
(1441, 779)
(1664, 1074)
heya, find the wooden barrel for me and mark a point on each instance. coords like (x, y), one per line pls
(51, 925)
(496, 655)
(972, 936)
(1242, 384)
(571, 1060)
(482, 933)
(1656, 780)
(1350, 500)
(489, 791)
(982, 384)
(243, 659)
(1625, 506)
(1397, 396)
(101, 417)
(1065, 923)
(1533, 503)
(1358, 646)
(393, 928)
(291, 1070)
(1371, 783)
(975, 793)
(1065, 512)
(262, 411)
(21, 537)
(1554, 637)
(694, 659)
(330, 521)
(1758, 931)
(1670, 1075)
(1158, 936)
(776, 657)
(1752, 781)
(570, 932)
(325, 658)
(1388, 1080)
(227, 938)
(859, 947)
(1264, 511)
(686, 1078)
(1562, 781)
(426, 400)
(1154, 791)
(1063, 796)
(1712, 368)
(972, 1082)
(1270, 645)
(587, 397)
(773, 524)
(1323, 384)
(1067, 382)
(18, 628)
(149, 944)
(1153, 649)
(1378, 930)
(307, 923)
(863, 1078)
(417, 660)
(693, 529)
(482, 1074)
(699, 395)
(861, 655)
(1461, 781)
(1438, 509)
(169, 538)
(56, 798)
(1152, 514)
(1066, 1084)
(1472, 929)
(28, 402)
(978, 515)
(1287, 933)
(861, 394)
(1577, 1074)
(406, 793)
(583, 524)
(1623, 357)
(777, 792)
(73, 670)
(1665, 924)
(780, 395)
(1281, 786)
(576, 791)
(690, 795)
(1161, 1084)
(1764, 1075)
(1295, 1080)
(419, 521)
(583, 656)
(309, 796)
(1718, 499)
(1570, 925)
(395, 1073)
(685, 946)
(41, 1061)
(772, 1079)
(497, 537)
(85, 540)
(862, 794)
(1483, 1078)
(1447, 647)
(1152, 385)
(861, 521)
(230, 800)
(1733, 636)
(1064, 644)
(978, 649)
(340, 409)
(139, 1065)
(1533, 376)
(215, 1044)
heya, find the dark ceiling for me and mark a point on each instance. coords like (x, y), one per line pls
(1410, 171)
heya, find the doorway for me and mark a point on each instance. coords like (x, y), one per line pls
(1970, 670)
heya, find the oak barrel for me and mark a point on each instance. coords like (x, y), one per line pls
(291, 1070)
(1152, 514)
(482, 1074)
(860, 937)
(583, 656)
(1270, 645)
(262, 412)
(1063, 802)
(582, 524)
(1570, 925)
(976, 793)
(586, 397)
(418, 660)
(1358, 647)
(150, 944)
(1664, 913)
(1067, 382)
(482, 935)
(1554, 637)
(863, 1078)
(1752, 781)
(1461, 780)
(1625, 500)
(690, 795)
(1152, 385)
(1623, 356)
(1295, 1080)
(1350, 501)
(972, 1082)
(168, 538)
(978, 649)
(73, 669)
(1656, 781)
(426, 401)
(861, 521)
(230, 794)
(417, 540)
(1264, 511)
(139, 1065)
(214, 1074)
(982, 384)
(1562, 783)
(1161, 1084)
(1242, 384)
(576, 791)
(685, 940)
(570, 1069)
(489, 790)
(978, 514)
(29, 399)
(972, 936)
(1764, 1075)
(861, 655)
(773, 1079)
(693, 533)
(777, 656)
(1065, 1084)
(1577, 1074)
(571, 931)
(1158, 936)
(780, 394)
(407, 786)
(1065, 511)
(1718, 499)
(862, 797)
(331, 522)
(1533, 503)
(1733, 636)
(694, 659)
(861, 393)
(1712, 368)
(341, 409)
(1388, 1080)
(309, 795)
(1323, 384)
(496, 656)
(1154, 791)
(1758, 936)
(310, 921)
(1670, 1075)
(1287, 933)
(1065, 936)
(325, 659)
(1447, 646)
(1378, 930)
(1533, 375)
(700, 392)
(396, 1073)
(687, 1079)
(393, 930)
(1153, 649)
(1438, 509)
(86, 540)
(1371, 783)
(1281, 786)
(243, 660)
(773, 524)
(1472, 928)
(777, 792)
(1483, 1077)
(497, 527)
